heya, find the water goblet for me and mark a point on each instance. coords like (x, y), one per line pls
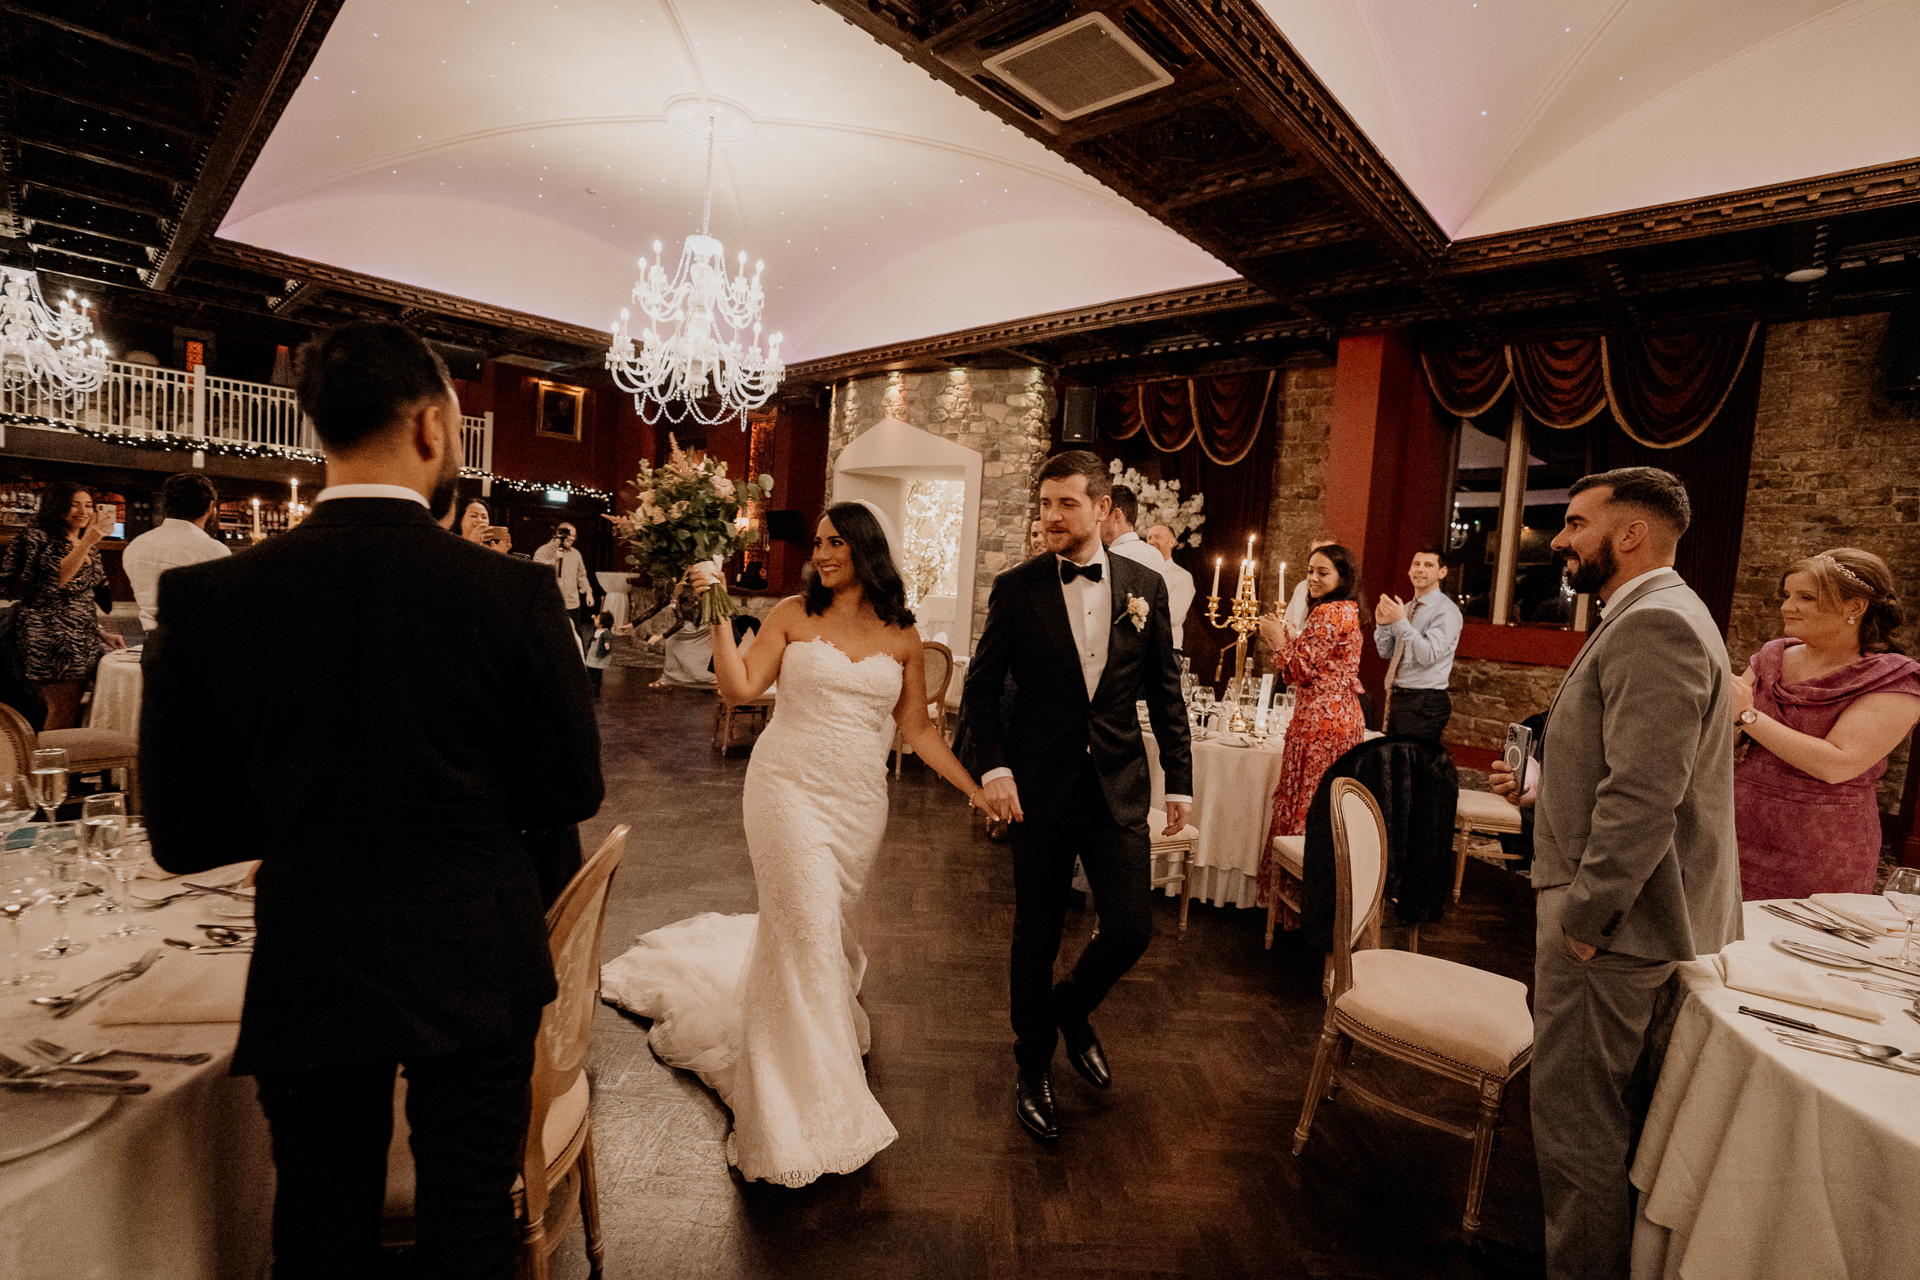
(58, 845)
(19, 892)
(47, 780)
(1902, 892)
(15, 811)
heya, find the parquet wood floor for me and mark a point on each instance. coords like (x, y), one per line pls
(1181, 1169)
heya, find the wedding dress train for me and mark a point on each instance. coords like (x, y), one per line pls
(766, 1008)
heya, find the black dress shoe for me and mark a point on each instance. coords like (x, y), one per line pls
(1086, 1055)
(1033, 1104)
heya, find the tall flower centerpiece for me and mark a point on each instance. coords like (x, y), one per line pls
(1161, 503)
(689, 511)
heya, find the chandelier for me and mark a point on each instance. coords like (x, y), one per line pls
(53, 350)
(684, 359)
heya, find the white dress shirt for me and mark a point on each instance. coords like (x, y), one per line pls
(172, 544)
(1179, 581)
(333, 491)
(570, 570)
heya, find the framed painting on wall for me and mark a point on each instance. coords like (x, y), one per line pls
(559, 412)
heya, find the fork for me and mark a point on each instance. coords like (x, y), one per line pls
(48, 1049)
(21, 1071)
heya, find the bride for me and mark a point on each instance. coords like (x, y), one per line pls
(765, 1008)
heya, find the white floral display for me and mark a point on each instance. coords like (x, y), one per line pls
(1160, 503)
(930, 555)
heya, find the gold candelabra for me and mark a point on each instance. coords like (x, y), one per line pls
(1244, 620)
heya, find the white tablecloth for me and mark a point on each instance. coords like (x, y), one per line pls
(1233, 807)
(617, 604)
(176, 1184)
(116, 694)
(1760, 1160)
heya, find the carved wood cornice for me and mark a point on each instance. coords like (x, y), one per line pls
(339, 280)
(1852, 191)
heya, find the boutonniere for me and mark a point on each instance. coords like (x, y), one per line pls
(1137, 611)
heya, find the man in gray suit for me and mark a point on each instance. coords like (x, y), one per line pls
(1635, 864)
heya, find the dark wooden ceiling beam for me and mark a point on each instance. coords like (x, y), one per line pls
(303, 294)
(32, 222)
(110, 199)
(290, 36)
(141, 115)
(148, 51)
(94, 156)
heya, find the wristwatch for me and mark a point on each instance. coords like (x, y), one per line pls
(1746, 717)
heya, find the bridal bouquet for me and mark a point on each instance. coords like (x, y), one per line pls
(689, 511)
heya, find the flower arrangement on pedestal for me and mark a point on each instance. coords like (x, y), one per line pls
(1160, 503)
(689, 511)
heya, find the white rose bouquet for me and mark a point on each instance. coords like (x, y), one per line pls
(687, 512)
(1161, 504)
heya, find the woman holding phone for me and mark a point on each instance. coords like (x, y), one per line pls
(54, 573)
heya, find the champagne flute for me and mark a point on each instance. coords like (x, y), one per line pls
(58, 845)
(47, 780)
(1902, 892)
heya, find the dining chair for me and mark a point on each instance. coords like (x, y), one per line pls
(88, 750)
(754, 712)
(1453, 1020)
(1480, 811)
(939, 663)
(557, 1178)
(1177, 850)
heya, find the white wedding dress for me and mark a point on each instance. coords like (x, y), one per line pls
(766, 1008)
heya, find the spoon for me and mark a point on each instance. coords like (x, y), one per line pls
(1861, 1047)
(1834, 1050)
(225, 936)
(228, 947)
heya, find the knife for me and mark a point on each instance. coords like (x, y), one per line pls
(40, 1084)
(17, 1070)
(128, 974)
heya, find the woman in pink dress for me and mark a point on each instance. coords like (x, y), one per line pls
(1821, 707)
(1321, 663)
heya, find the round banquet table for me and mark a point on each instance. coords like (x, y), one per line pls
(617, 602)
(1232, 807)
(116, 693)
(176, 1184)
(1760, 1160)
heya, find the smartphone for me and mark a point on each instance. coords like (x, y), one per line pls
(1518, 747)
(107, 511)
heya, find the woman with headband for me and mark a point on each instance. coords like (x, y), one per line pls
(1821, 707)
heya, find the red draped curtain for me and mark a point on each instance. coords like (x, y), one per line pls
(1224, 413)
(1662, 389)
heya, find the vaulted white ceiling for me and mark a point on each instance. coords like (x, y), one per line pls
(1503, 114)
(525, 152)
(522, 154)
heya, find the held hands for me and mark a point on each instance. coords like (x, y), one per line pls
(1000, 799)
(1389, 610)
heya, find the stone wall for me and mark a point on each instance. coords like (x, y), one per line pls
(1489, 695)
(1001, 414)
(1298, 510)
(1835, 463)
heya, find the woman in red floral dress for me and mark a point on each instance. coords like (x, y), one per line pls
(1321, 663)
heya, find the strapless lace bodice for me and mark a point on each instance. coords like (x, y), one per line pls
(832, 720)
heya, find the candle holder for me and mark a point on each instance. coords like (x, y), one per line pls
(1243, 620)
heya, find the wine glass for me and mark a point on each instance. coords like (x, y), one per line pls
(58, 844)
(20, 890)
(47, 780)
(1203, 703)
(1902, 892)
(103, 830)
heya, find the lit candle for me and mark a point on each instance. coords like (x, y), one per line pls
(296, 495)
(1283, 580)
(1217, 562)
(256, 517)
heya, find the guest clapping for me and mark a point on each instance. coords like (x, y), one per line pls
(1321, 661)
(1821, 706)
(53, 569)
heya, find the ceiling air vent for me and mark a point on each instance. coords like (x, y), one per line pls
(1083, 66)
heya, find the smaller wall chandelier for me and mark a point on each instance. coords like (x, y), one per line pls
(685, 366)
(41, 347)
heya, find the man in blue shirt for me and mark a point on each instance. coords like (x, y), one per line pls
(1417, 637)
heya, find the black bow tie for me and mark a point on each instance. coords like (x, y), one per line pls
(1069, 571)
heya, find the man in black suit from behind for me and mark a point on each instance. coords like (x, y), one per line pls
(1084, 636)
(377, 710)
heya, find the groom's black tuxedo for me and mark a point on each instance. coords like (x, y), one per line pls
(1081, 770)
(1052, 722)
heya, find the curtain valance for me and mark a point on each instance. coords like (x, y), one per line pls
(1663, 388)
(1225, 413)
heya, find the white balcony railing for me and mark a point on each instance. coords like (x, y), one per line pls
(140, 400)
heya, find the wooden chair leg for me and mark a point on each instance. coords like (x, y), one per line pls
(1186, 890)
(532, 1262)
(1492, 1093)
(590, 1209)
(1316, 1084)
(1342, 1058)
(1273, 913)
(1460, 834)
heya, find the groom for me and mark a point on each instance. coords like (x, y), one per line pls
(1084, 636)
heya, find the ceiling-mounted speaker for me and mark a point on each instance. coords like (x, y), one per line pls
(1079, 67)
(1076, 419)
(1903, 355)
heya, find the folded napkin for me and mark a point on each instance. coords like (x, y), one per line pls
(180, 988)
(1868, 910)
(1753, 966)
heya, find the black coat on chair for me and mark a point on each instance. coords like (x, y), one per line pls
(1418, 791)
